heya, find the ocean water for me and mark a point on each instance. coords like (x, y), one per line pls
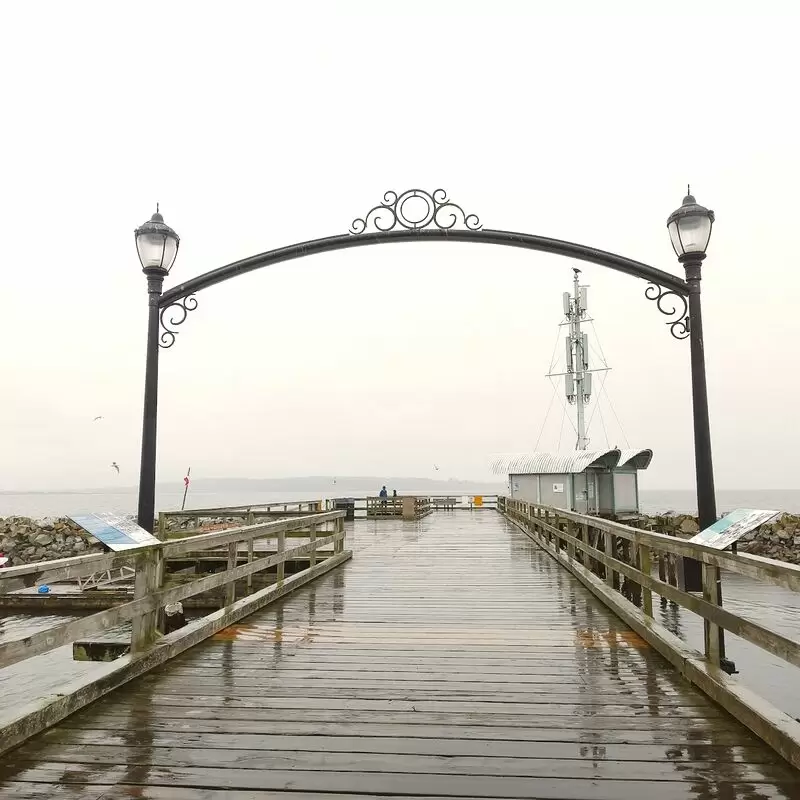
(45, 504)
(653, 501)
(659, 501)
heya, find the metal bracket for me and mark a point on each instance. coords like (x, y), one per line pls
(671, 304)
(180, 310)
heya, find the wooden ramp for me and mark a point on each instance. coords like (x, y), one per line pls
(450, 658)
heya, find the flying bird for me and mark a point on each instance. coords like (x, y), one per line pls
(96, 418)
(115, 466)
(435, 467)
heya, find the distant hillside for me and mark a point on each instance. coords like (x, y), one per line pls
(324, 484)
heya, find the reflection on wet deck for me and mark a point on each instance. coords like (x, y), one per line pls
(450, 658)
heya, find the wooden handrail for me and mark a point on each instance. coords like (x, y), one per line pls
(63, 569)
(149, 596)
(574, 536)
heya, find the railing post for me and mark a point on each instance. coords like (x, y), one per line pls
(161, 621)
(338, 547)
(710, 630)
(162, 525)
(553, 537)
(608, 541)
(570, 545)
(143, 631)
(281, 568)
(312, 538)
(646, 567)
(251, 520)
(584, 537)
(230, 588)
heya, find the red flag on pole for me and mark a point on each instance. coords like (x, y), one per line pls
(186, 487)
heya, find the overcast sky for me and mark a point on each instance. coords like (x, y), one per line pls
(256, 125)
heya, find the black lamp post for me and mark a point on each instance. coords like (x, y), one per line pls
(690, 229)
(157, 245)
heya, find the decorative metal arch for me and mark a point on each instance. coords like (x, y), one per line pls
(420, 216)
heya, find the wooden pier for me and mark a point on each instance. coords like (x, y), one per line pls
(451, 657)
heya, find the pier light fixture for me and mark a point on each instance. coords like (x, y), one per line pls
(157, 244)
(690, 228)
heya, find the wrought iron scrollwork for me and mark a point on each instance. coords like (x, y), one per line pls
(671, 304)
(174, 315)
(415, 209)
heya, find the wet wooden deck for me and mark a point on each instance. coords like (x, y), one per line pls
(450, 658)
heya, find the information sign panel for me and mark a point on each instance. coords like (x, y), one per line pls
(115, 531)
(724, 532)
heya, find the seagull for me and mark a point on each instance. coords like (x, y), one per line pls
(435, 467)
(96, 418)
(115, 466)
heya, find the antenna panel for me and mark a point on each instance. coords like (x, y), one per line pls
(569, 386)
(584, 298)
(567, 309)
(587, 385)
(585, 348)
(570, 365)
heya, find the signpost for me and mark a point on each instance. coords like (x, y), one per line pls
(728, 530)
(115, 531)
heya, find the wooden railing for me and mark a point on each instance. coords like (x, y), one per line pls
(149, 593)
(617, 563)
(172, 523)
(384, 506)
(180, 523)
(457, 502)
(400, 507)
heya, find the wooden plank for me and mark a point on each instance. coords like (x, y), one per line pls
(410, 744)
(425, 704)
(397, 783)
(334, 761)
(722, 743)
(349, 676)
(588, 723)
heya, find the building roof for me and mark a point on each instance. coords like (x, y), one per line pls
(635, 459)
(566, 463)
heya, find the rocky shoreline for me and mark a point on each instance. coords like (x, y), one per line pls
(779, 540)
(25, 540)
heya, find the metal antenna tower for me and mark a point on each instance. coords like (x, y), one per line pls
(577, 375)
